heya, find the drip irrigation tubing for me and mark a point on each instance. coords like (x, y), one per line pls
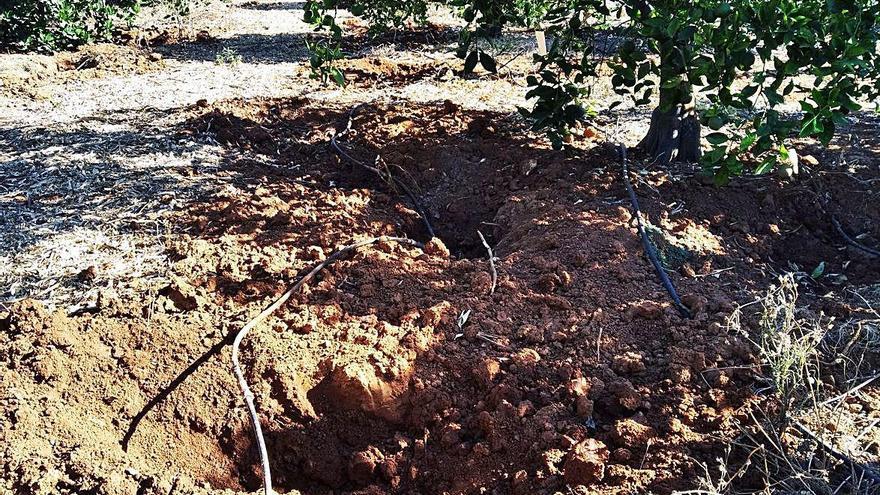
(852, 242)
(385, 176)
(239, 337)
(866, 471)
(650, 250)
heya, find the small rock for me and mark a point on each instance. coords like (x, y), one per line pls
(621, 455)
(486, 423)
(585, 463)
(486, 370)
(435, 247)
(389, 469)
(531, 334)
(525, 408)
(648, 310)
(363, 464)
(584, 407)
(628, 363)
(631, 433)
(526, 357)
(625, 394)
(695, 303)
(548, 282)
(451, 435)
(182, 295)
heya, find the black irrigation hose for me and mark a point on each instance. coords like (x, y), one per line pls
(397, 182)
(852, 242)
(866, 471)
(650, 250)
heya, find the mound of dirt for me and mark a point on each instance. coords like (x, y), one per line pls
(30, 74)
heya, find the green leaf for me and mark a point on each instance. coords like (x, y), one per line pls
(717, 138)
(818, 271)
(671, 83)
(488, 62)
(337, 76)
(747, 141)
(766, 166)
(471, 61)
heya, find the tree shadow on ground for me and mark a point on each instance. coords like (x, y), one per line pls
(291, 47)
(247, 48)
(263, 6)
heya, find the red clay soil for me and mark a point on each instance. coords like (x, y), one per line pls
(576, 370)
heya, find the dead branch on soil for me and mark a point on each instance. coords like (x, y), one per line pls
(236, 367)
(385, 176)
(491, 262)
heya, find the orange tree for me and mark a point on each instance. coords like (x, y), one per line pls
(728, 66)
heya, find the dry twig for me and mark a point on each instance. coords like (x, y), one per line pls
(386, 176)
(491, 262)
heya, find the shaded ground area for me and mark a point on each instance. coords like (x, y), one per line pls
(144, 233)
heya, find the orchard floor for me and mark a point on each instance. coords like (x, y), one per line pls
(153, 206)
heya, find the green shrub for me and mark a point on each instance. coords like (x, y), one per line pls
(49, 25)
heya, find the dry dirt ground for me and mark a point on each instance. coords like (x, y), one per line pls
(156, 196)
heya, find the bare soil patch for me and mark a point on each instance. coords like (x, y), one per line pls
(397, 370)
(575, 370)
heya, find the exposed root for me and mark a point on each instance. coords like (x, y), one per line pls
(236, 367)
(491, 262)
(384, 175)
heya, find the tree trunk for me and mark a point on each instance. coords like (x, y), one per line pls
(674, 133)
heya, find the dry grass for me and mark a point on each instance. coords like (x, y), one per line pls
(87, 209)
(800, 439)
